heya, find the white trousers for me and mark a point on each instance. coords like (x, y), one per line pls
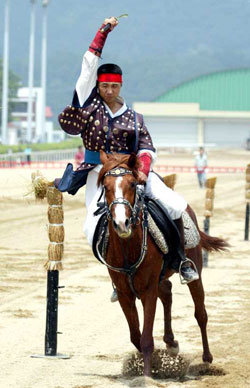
(155, 189)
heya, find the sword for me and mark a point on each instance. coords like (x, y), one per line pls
(124, 15)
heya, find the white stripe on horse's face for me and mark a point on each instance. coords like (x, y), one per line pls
(120, 210)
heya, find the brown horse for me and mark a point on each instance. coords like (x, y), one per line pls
(131, 247)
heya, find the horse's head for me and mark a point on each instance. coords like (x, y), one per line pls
(119, 177)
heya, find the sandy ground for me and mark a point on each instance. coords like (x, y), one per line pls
(95, 332)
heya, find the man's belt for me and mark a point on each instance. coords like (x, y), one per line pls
(93, 157)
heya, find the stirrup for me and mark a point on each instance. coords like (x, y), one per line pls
(182, 280)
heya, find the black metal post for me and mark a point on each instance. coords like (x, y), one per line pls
(247, 223)
(52, 313)
(206, 230)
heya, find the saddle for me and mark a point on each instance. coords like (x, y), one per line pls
(162, 229)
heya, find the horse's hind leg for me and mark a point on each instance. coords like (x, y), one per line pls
(130, 311)
(197, 292)
(165, 294)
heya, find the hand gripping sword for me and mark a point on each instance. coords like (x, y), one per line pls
(124, 15)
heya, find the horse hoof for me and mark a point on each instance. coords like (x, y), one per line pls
(173, 348)
(207, 358)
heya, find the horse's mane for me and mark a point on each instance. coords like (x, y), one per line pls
(119, 160)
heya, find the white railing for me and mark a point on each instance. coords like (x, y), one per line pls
(39, 156)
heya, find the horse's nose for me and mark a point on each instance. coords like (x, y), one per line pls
(121, 227)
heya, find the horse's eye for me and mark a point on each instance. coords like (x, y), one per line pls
(132, 185)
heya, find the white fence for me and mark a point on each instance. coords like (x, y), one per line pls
(41, 156)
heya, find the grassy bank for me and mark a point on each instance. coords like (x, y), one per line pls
(67, 144)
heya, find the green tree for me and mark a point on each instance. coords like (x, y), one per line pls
(14, 84)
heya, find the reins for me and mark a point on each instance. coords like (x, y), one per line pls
(139, 206)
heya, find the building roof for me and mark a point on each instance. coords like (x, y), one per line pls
(227, 90)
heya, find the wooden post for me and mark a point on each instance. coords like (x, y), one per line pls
(247, 202)
(53, 264)
(209, 205)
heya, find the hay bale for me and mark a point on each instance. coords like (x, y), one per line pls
(54, 196)
(210, 183)
(56, 233)
(55, 215)
(53, 265)
(56, 229)
(209, 204)
(40, 185)
(170, 180)
(55, 252)
(210, 193)
(163, 365)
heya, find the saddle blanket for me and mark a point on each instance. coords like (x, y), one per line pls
(160, 227)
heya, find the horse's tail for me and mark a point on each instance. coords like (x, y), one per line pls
(213, 244)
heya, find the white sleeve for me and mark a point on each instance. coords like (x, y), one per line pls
(87, 80)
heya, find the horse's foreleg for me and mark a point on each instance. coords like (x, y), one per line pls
(165, 294)
(130, 311)
(197, 292)
(147, 343)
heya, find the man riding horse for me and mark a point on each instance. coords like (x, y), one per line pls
(105, 122)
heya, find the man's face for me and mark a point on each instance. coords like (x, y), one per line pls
(109, 91)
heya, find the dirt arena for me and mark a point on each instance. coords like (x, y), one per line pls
(95, 333)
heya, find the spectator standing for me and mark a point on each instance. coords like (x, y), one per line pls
(201, 166)
(79, 157)
(27, 152)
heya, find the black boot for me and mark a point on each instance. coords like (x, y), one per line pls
(187, 268)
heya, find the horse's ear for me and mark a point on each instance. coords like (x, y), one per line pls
(103, 157)
(132, 160)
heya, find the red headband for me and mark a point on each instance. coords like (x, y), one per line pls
(109, 77)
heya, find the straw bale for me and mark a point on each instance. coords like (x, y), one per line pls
(210, 182)
(56, 233)
(209, 204)
(208, 213)
(248, 194)
(55, 215)
(54, 196)
(210, 193)
(39, 185)
(248, 177)
(55, 252)
(248, 186)
(53, 265)
(170, 180)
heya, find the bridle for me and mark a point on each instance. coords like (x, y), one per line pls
(135, 209)
(138, 207)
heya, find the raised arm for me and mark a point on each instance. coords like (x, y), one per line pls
(87, 80)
